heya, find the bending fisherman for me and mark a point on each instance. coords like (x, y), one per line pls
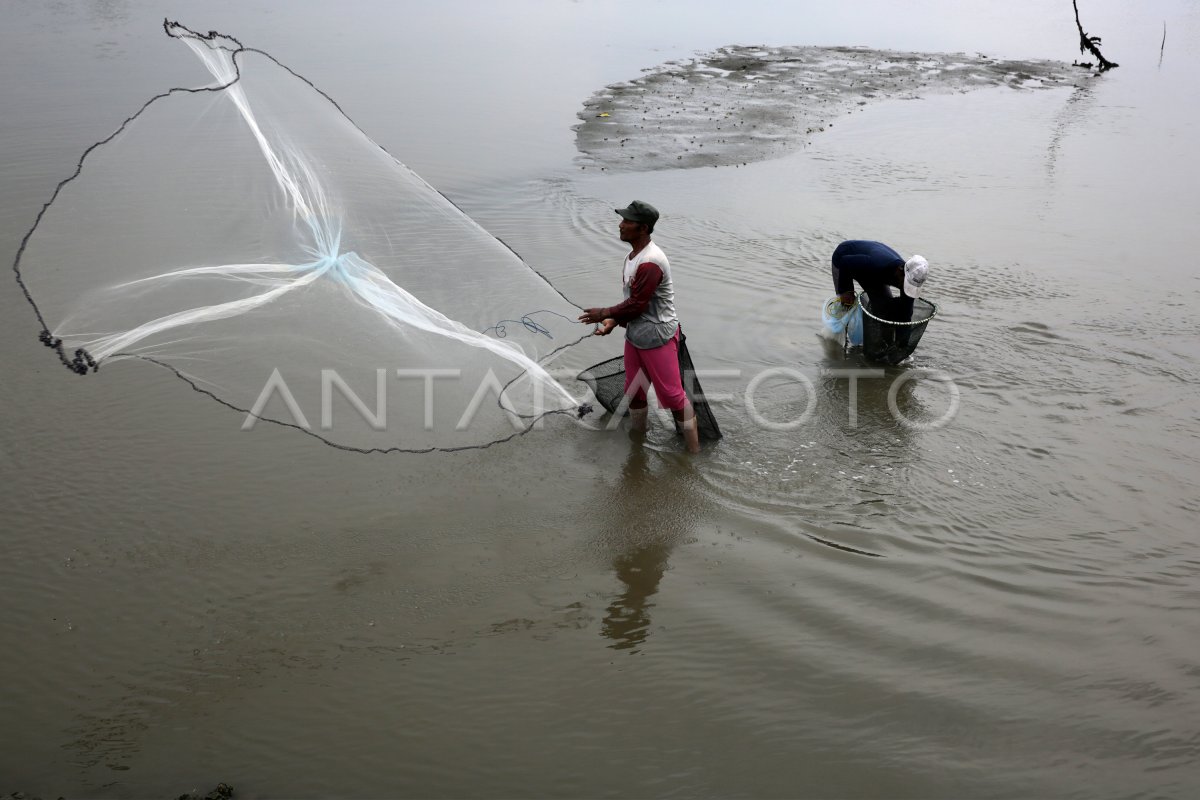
(878, 269)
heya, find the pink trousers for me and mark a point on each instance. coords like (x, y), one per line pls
(657, 367)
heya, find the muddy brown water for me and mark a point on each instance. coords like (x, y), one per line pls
(999, 599)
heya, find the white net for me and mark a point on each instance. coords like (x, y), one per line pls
(248, 236)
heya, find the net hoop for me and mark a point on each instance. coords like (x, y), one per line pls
(911, 324)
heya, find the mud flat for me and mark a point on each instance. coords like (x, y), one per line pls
(742, 104)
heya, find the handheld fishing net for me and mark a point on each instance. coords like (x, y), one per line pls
(607, 382)
(892, 341)
(247, 236)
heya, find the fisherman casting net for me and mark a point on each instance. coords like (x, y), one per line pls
(250, 238)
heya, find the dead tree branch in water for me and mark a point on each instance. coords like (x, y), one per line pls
(1090, 44)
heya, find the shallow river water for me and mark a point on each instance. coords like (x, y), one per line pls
(968, 576)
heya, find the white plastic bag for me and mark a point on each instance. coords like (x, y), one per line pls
(842, 321)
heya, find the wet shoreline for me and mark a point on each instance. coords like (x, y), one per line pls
(738, 105)
(222, 791)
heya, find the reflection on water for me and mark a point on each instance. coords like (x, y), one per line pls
(627, 620)
(1074, 111)
(652, 511)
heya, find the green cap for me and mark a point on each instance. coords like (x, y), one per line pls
(638, 211)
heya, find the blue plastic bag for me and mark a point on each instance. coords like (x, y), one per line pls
(840, 320)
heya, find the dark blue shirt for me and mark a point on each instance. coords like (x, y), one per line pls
(877, 268)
